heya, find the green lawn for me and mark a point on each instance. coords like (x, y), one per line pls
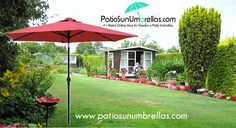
(98, 96)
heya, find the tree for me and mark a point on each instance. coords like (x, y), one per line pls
(199, 34)
(222, 72)
(15, 14)
(51, 49)
(98, 47)
(31, 47)
(85, 48)
(173, 49)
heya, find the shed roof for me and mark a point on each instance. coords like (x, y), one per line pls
(134, 48)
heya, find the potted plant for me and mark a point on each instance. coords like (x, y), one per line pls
(123, 72)
(113, 72)
(142, 74)
(171, 77)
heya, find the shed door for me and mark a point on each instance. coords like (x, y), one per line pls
(131, 61)
(147, 59)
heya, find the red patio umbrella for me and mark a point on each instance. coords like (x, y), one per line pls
(67, 31)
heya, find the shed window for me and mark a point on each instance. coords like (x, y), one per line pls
(123, 60)
(111, 60)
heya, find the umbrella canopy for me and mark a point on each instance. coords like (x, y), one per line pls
(68, 28)
(67, 31)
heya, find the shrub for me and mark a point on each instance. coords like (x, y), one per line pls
(160, 68)
(76, 70)
(199, 34)
(169, 56)
(91, 62)
(83, 71)
(20, 105)
(98, 71)
(222, 72)
(60, 69)
(8, 54)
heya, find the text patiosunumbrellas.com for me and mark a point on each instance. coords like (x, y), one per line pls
(137, 19)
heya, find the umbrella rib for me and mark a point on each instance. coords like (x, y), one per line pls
(23, 36)
(104, 36)
(77, 33)
(59, 33)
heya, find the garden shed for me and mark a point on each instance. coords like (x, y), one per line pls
(128, 57)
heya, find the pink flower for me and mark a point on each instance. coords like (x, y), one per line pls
(205, 94)
(16, 125)
(219, 95)
(47, 99)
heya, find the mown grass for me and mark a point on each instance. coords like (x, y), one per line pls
(100, 96)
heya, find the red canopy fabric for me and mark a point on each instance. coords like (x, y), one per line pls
(67, 31)
(58, 32)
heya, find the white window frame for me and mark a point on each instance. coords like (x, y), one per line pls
(144, 59)
(128, 57)
(111, 58)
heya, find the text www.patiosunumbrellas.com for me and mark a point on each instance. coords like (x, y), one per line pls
(143, 115)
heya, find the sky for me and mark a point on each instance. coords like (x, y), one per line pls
(90, 12)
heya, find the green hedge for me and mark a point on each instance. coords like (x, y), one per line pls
(222, 72)
(169, 56)
(92, 63)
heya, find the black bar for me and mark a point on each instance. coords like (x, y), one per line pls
(68, 77)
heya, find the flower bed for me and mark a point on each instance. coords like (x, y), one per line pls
(202, 91)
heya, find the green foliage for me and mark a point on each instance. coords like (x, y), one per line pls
(76, 70)
(83, 71)
(222, 72)
(8, 54)
(170, 75)
(16, 14)
(51, 49)
(173, 49)
(169, 56)
(98, 71)
(91, 62)
(59, 69)
(113, 71)
(98, 47)
(161, 67)
(20, 104)
(199, 34)
(85, 48)
(31, 47)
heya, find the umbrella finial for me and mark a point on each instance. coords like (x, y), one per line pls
(68, 19)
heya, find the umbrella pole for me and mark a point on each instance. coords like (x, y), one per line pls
(68, 77)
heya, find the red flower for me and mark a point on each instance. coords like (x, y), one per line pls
(233, 98)
(177, 88)
(187, 88)
(47, 99)
(2, 126)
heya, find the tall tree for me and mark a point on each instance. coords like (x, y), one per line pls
(199, 34)
(85, 48)
(98, 47)
(15, 14)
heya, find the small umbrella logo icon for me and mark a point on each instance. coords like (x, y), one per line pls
(136, 6)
